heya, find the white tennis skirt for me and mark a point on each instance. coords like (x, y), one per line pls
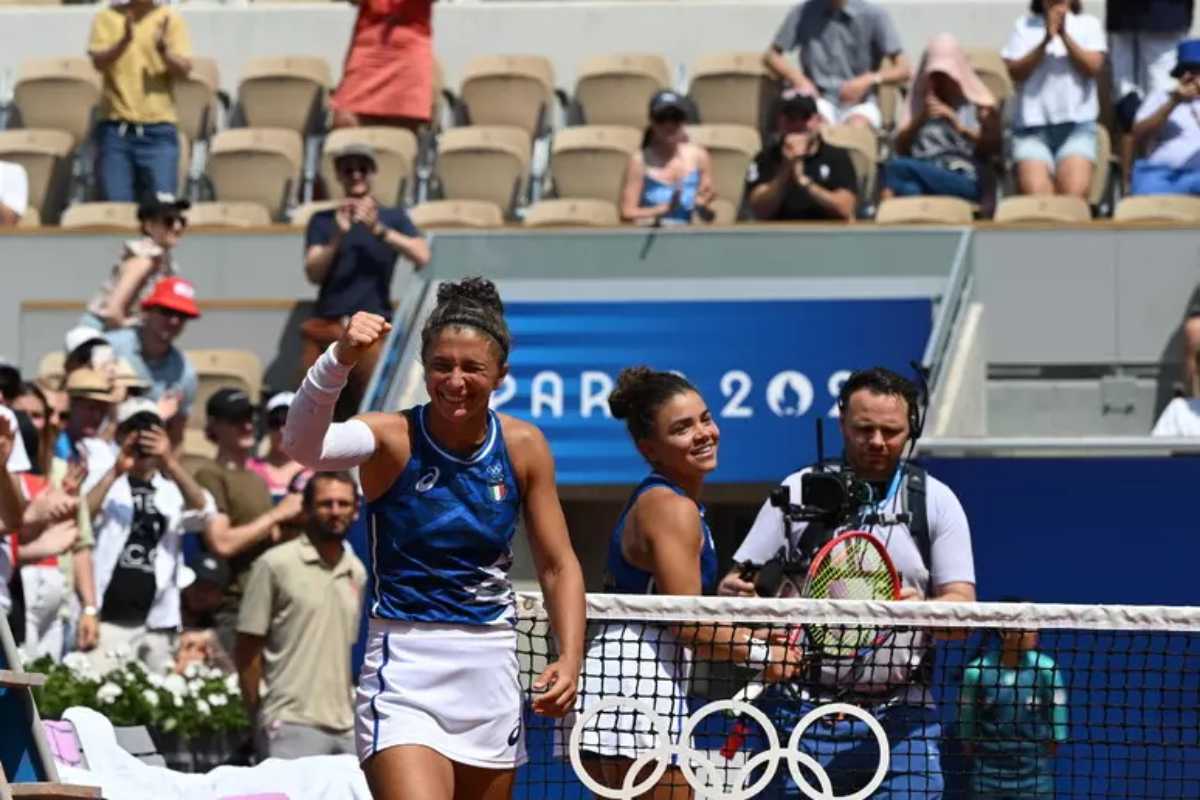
(452, 688)
(634, 662)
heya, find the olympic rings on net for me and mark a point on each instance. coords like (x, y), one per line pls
(690, 760)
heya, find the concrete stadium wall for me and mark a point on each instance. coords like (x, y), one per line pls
(564, 31)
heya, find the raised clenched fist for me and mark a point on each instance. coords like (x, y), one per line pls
(361, 335)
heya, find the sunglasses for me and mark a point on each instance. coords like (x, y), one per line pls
(276, 421)
(669, 116)
(351, 167)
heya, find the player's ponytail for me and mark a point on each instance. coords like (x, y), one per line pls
(639, 393)
(469, 303)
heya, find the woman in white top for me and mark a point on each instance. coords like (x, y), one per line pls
(142, 263)
(1055, 53)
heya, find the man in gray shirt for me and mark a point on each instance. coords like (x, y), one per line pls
(877, 408)
(843, 44)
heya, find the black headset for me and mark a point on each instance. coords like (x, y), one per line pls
(916, 397)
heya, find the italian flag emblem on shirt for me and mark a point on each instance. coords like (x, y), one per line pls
(497, 491)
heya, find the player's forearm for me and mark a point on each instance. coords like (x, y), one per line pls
(562, 584)
(309, 435)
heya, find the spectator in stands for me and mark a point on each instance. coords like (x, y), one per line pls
(84, 346)
(669, 179)
(1181, 417)
(142, 507)
(949, 129)
(388, 75)
(1168, 127)
(932, 553)
(248, 523)
(350, 253)
(843, 45)
(1142, 35)
(14, 193)
(282, 473)
(203, 590)
(143, 262)
(150, 348)
(32, 402)
(140, 47)
(1055, 54)
(799, 176)
(13, 462)
(297, 623)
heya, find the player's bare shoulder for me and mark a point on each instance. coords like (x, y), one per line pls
(393, 448)
(527, 446)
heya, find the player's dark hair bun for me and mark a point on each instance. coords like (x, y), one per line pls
(476, 290)
(639, 393)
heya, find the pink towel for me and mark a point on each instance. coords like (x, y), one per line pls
(64, 742)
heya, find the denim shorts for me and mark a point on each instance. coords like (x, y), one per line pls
(1052, 143)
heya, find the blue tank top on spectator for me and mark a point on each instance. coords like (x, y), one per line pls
(656, 192)
(440, 537)
(625, 578)
(360, 277)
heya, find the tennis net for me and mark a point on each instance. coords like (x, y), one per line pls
(992, 701)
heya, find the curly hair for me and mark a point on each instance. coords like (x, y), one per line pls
(639, 393)
(469, 303)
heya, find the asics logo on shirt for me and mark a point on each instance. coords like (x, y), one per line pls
(515, 736)
(428, 480)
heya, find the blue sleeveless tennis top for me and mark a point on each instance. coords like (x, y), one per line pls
(625, 578)
(441, 535)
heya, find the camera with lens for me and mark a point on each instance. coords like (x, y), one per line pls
(142, 421)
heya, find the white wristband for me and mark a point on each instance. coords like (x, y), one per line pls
(328, 375)
(759, 656)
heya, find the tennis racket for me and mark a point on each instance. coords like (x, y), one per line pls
(852, 566)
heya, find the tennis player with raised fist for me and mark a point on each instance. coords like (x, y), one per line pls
(439, 700)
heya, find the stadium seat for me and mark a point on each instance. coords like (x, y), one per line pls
(732, 148)
(101, 217)
(45, 155)
(1102, 175)
(256, 165)
(217, 369)
(483, 163)
(864, 154)
(890, 95)
(589, 161)
(227, 215)
(990, 68)
(196, 102)
(301, 214)
(724, 212)
(734, 89)
(1159, 208)
(571, 214)
(1042, 208)
(183, 165)
(195, 444)
(513, 90)
(616, 89)
(285, 92)
(30, 219)
(949, 210)
(456, 214)
(395, 153)
(59, 94)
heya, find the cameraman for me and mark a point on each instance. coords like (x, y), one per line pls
(932, 552)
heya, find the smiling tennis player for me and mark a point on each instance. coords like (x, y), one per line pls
(439, 700)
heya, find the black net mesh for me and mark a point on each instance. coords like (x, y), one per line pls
(1001, 702)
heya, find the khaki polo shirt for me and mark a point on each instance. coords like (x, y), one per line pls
(308, 613)
(138, 87)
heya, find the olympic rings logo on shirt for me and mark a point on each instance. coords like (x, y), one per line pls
(690, 760)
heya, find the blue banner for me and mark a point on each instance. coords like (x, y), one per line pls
(767, 369)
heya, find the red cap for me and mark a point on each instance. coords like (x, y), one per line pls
(175, 294)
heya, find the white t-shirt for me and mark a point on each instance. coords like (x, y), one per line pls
(1056, 91)
(1180, 418)
(1177, 144)
(949, 535)
(14, 187)
(18, 459)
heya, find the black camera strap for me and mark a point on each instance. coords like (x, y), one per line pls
(918, 514)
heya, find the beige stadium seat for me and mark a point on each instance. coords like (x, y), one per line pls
(1104, 166)
(589, 161)
(256, 165)
(30, 219)
(930, 210)
(101, 217)
(301, 214)
(571, 214)
(217, 369)
(731, 148)
(195, 444)
(456, 214)
(395, 154)
(46, 157)
(59, 94)
(196, 101)
(864, 154)
(989, 66)
(1042, 208)
(1159, 208)
(890, 96)
(483, 163)
(185, 162)
(616, 89)
(227, 215)
(513, 90)
(724, 212)
(734, 88)
(284, 92)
